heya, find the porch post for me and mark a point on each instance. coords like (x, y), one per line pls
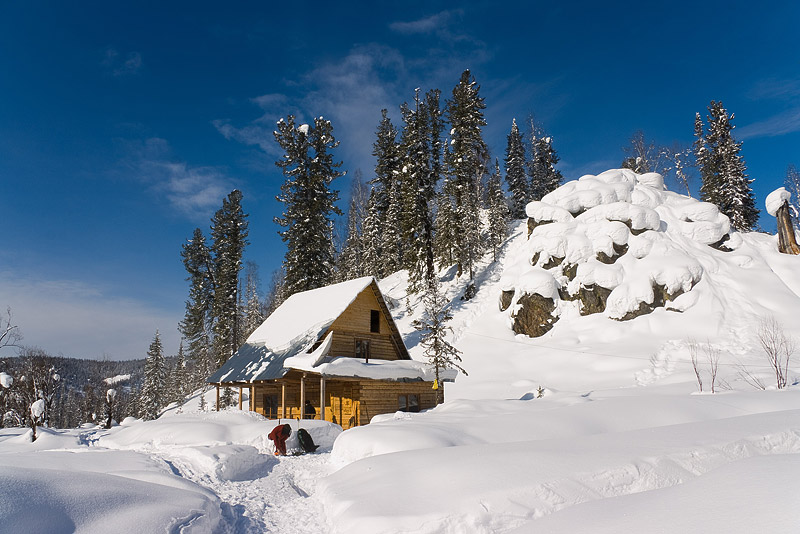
(217, 397)
(240, 396)
(321, 398)
(283, 400)
(302, 395)
(252, 398)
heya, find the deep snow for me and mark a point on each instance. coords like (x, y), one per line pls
(619, 441)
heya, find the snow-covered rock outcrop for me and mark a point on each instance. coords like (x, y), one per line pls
(617, 243)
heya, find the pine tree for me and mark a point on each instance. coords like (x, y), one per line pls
(498, 211)
(252, 307)
(179, 387)
(350, 263)
(151, 397)
(229, 235)
(723, 170)
(792, 184)
(371, 238)
(446, 224)
(309, 203)
(467, 157)
(419, 175)
(433, 327)
(386, 205)
(544, 177)
(198, 318)
(516, 179)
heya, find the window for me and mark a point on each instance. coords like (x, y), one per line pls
(408, 403)
(362, 349)
(375, 321)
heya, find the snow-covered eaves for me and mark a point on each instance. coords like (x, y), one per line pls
(396, 370)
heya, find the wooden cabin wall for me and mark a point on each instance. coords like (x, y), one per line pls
(348, 403)
(354, 323)
(378, 397)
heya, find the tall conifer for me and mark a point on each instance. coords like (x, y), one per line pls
(516, 179)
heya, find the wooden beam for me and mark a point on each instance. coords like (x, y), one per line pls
(283, 400)
(302, 395)
(240, 397)
(252, 398)
(217, 397)
(321, 398)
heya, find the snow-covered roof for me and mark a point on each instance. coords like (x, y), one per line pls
(305, 316)
(285, 338)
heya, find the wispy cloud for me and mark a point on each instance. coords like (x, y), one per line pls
(429, 24)
(193, 191)
(117, 66)
(785, 122)
(774, 88)
(74, 318)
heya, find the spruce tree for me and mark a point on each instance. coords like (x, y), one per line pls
(418, 186)
(446, 224)
(152, 395)
(544, 177)
(229, 235)
(252, 307)
(433, 327)
(309, 202)
(387, 203)
(180, 386)
(350, 263)
(371, 239)
(498, 211)
(467, 158)
(198, 318)
(792, 184)
(516, 178)
(723, 170)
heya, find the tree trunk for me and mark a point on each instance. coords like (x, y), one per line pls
(787, 244)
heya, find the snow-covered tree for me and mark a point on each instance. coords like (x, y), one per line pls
(229, 238)
(544, 177)
(722, 168)
(792, 184)
(440, 353)
(309, 202)
(516, 178)
(198, 318)
(386, 207)
(350, 263)
(643, 155)
(498, 211)
(466, 160)
(152, 395)
(179, 383)
(252, 305)
(419, 175)
(371, 239)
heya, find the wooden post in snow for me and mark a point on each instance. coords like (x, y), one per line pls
(283, 400)
(302, 395)
(322, 398)
(217, 397)
(252, 398)
(787, 243)
(240, 397)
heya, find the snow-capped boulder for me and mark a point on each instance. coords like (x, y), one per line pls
(617, 243)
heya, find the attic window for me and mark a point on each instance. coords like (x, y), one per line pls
(375, 321)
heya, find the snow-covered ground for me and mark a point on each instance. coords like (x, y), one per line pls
(596, 426)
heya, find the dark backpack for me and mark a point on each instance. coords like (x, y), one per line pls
(305, 440)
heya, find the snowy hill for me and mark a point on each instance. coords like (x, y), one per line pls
(581, 410)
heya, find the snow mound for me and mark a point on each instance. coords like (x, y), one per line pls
(620, 233)
(776, 199)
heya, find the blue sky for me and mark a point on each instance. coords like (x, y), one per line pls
(122, 127)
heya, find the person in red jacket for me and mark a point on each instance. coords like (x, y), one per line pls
(279, 435)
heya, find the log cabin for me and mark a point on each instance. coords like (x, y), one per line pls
(336, 348)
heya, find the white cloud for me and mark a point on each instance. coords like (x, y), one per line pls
(783, 123)
(428, 24)
(73, 318)
(131, 65)
(193, 191)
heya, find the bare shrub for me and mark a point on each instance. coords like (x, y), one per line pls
(778, 348)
